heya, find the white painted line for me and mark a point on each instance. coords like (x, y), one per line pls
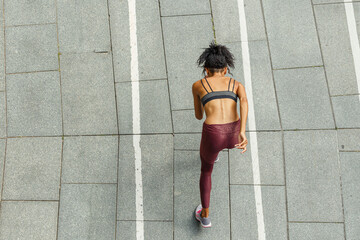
(136, 120)
(354, 40)
(252, 124)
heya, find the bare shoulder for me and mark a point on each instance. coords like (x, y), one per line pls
(240, 90)
(195, 86)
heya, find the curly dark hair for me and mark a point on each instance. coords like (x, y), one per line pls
(216, 57)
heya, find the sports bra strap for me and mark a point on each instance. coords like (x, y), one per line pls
(208, 84)
(204, 86)
(229, 84)
(233, 86)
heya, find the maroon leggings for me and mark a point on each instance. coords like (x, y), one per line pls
(214, 138)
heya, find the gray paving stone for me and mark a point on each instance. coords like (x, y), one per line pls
(349, 139)
(187, 197)
(83, 26)
(184, 7)
(34, 104)
(88, 94)
(347, 111)
(87, 211)
(90, 159)
(31, 48)
(312, 176)
(2, 115)
(227, 22)
(28, 220)
(155, 115)
(23, 12)
(2, 158)
(244, 217)
(270, 157)
(151, 58)
(316, 231)
(330, 1)
(336, 48)
(350, 177)
(294, 44)
(2, 49)
(157, 173)
(187, 141)
(303, 97)
(185, 121)
(126, 230)
(184, 39)
(32, 169)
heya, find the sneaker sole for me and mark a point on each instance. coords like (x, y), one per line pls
(204, 226)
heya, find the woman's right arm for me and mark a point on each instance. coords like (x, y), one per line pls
(243, 116)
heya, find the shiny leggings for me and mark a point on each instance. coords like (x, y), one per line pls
(214, 138)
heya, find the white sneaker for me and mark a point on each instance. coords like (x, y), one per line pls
(205, 222)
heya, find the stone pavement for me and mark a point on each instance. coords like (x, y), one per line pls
(67, 159)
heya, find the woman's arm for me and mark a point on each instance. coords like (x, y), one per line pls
(199, 110)
(243, 106)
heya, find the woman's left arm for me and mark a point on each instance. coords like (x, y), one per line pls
(199, 110)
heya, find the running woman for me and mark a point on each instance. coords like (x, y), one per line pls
(217, 94)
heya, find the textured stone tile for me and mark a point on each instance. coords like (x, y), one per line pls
(151, 58)
(155, 115)
(270, 155)
(189, 141)
(336, 48)
(87, 211)
(185, 121)
(83, 26)
(34, 104)
(23, 12)
(227, 22)
(32, 169)
(316, 231)
(349, 139)
(294, 44)
(90, 159)
(2, 115)
(2, 158)
(184, 39)
(31, 48)
(88, 94)
(350, 177)
(28, 220)
(157, 173)
(187, 197)
(184, 7)
(347, 111)
(126, 230)
(2, 49)
(312, 176)
(303, 97)
(244, 216)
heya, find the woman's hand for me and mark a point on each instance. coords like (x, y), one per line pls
(243, 142)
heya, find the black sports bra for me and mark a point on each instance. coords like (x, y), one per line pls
(218, 94)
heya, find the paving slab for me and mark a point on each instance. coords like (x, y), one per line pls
(350, 177)
(227, 22)
(31, 48)
(303, 97)
(184, 39)
(185, 121)
(2, 159)
(330, 1)
(151, 57)
(32, 170)
(2, 115)
(187, 141)
(187, 171)
(155, 113)
(83, 26)
(90, 159)
(2, 49)
(316, 231)
(244, 216)
(184, 7)
(294, 44)
(126, 230)
(28, 220)
(312, 176)
(88, 94)
(347, 111)
(24, 12)
(336, 48)
(270, 155)
(349, 139)
(34, 104)
(87, 211)
(156, 166)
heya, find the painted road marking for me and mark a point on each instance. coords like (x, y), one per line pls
(252, 125)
